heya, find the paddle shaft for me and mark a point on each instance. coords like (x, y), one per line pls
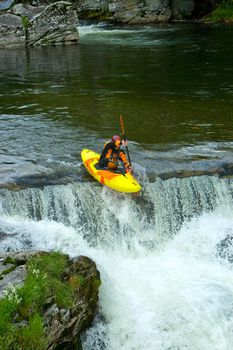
(124, 137)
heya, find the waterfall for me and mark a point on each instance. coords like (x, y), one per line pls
(103, 217)
(163, 285)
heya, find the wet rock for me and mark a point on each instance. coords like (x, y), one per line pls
(224, 248)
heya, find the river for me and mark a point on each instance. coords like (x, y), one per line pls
(164, 284)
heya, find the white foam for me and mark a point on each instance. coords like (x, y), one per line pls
(175, 293)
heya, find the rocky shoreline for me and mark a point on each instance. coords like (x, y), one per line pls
(53, 23)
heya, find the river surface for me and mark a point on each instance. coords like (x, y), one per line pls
(164, 284)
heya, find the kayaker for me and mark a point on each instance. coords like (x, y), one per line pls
(112, 153)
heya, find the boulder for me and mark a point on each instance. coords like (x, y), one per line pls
(62, 325)
(224, 249)
(55, 24)
(42, 25)
(140, 11)
(135, 11)
(5, 4)
(12, 32)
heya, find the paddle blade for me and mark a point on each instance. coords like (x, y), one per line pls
(122, 126)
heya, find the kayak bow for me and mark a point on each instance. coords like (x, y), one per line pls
(118, 180)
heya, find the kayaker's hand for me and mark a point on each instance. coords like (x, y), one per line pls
(124, 143)
(129, 169)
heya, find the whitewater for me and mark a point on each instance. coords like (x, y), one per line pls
(164, 285)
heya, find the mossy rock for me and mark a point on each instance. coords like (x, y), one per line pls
(57, 301)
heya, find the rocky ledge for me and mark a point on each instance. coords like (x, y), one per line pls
(46, 299)
(30, 25)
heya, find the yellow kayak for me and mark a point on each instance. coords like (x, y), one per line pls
(117, 180)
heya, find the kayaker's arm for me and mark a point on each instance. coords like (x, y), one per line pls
(123, 159)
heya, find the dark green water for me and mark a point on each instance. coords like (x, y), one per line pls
(173, 84)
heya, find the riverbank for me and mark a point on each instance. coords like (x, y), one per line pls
(223, 13)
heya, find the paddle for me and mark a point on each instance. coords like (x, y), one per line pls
(124, 138)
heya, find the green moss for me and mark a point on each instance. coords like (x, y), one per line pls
(222, 13)
(97, 283)
(9, 260)
(76, 281)
(25, 22)
(5, 272)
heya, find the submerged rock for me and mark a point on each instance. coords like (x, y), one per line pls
(62, 325)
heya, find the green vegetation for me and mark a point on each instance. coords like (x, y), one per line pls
(222, 13)
(25, 22)
(21, 323)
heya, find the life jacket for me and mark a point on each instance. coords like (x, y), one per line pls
(113, 152)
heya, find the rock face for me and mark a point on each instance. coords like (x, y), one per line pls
(135, 11)
(138, 11)
(63, 326)
(56, 23)
(182, 8)
(42, 25)
(11, 30)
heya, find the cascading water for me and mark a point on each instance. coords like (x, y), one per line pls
(163, 284)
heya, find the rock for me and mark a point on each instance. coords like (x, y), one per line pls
(56, 24)
(63, 326)
(135, 11)
(138, 11)
(15, 276)
(5, 4)
(182, 8)
(19, 258)
(125, 11)
(89, 9)
(43, 25)
(203, 7)
(11, 30)
(27, 10)
(224, 249)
